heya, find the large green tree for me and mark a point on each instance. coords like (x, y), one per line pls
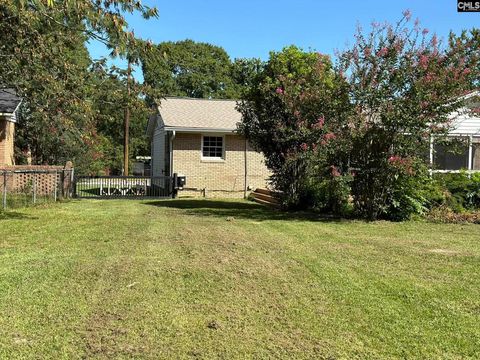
(188, 68)
(44, 58)
(48, 66)
(404, 86)
(293, 111)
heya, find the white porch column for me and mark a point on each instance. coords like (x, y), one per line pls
(470, 152)
(431, 155)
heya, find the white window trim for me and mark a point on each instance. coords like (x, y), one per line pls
(208, 158)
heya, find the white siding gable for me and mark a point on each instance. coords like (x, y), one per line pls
(466, 125)
(158, 150)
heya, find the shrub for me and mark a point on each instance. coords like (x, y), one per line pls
(463, 190)
(329, 193)
(401, 84)
(400, 190)
(292, 113)
(374, 112)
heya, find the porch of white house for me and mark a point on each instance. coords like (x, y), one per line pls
(460, 152)
(464, 136)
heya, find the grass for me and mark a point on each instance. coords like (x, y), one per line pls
(18, 200)
(224, 279)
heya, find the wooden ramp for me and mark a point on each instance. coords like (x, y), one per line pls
(266, 197)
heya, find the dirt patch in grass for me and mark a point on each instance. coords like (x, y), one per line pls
(447, 252)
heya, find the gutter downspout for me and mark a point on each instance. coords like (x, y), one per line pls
(246, 175)
(171, 152)
(431, 150)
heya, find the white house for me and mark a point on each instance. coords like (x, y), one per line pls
(465, 127)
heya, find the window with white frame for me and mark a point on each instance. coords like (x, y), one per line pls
(213, 147)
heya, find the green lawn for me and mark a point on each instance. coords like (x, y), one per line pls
(218, 279)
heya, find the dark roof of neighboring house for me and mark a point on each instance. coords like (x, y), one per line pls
(9, 101)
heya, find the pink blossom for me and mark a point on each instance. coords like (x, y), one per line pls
(279, 90)
(304, 147)
(417, 22)
(429, 77)
(320, 122)
(425, 31)
(395, 159)
(466, 71)
(329, 136)
(424, 104)
(403, 163)
(334, 171)
(423, 62)
(382, 52)
(367, 51)
(434, 40)
(407, 14)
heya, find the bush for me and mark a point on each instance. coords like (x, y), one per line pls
(396, 189)
(463, 190)
(329, 194)
(374, 111)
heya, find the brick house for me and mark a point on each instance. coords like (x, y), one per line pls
(9, 104)
(197, 138)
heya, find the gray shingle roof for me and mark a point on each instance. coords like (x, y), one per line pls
(8, 100)
(199, 113)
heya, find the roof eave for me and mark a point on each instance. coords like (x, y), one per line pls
(11, 117)
(199, 130)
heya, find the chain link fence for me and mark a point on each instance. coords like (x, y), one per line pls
(21, 188)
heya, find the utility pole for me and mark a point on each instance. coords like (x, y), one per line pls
(126, 123)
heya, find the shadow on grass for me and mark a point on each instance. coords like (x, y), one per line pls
(13, 215)
(238, 209)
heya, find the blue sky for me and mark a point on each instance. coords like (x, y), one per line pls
(252, 28)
